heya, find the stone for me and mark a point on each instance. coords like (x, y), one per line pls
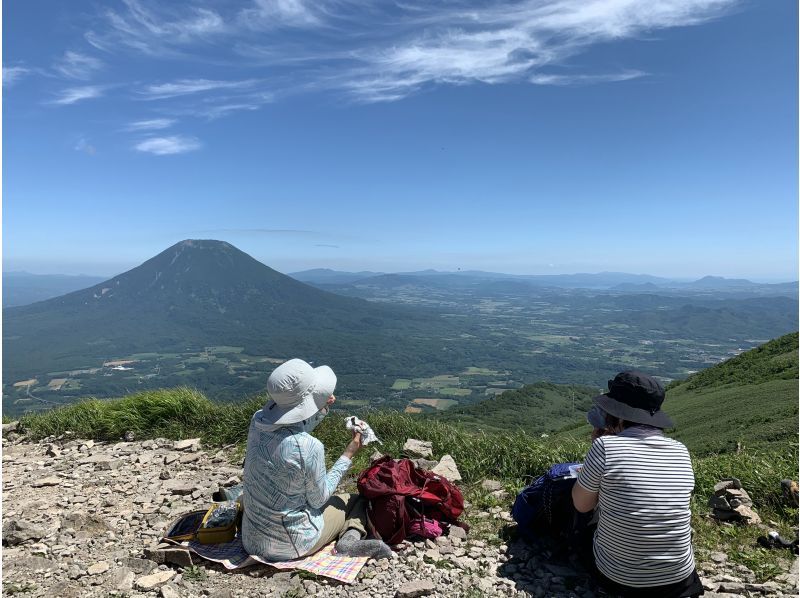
(491, 485)
(457, 532)
(137, 565)
(425, 464)
(180, 557)
(129, 436)
(418, 448)
(44, 482)
(727, 483)
(376, 454)
(718, 557)
(31, 563)
(186, 445)
(414, 589)
(179, 487)
(190, 458)
(447, 469)
(719, 502)
(560, 571)
(10, 427)
(154, 580)
(98, 568)
(17, 531)
(84, 522)
(748, 515)
(739, 494)
(169, 591)
(122, 579)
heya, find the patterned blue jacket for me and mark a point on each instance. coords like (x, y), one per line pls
(286, 486)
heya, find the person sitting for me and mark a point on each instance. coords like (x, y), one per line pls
(642, 482)
(290, 509)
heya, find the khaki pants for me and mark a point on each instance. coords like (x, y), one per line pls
(341, 513)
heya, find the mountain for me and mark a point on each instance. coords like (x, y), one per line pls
(22, 288)
(328, 276)
(198, 294)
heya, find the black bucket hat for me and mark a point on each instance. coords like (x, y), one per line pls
(635, 397)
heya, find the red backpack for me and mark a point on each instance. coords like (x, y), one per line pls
(399, 493)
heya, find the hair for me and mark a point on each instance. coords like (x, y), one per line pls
(612, 421)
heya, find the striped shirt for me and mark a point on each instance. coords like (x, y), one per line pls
(645, 481)
(286, 486)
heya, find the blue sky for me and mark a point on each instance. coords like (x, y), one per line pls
(536, 136)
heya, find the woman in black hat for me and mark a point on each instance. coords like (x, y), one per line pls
(642, 483)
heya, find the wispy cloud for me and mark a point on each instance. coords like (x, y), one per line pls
(151, 125)
(12, 74)
(156, 28)
(271, 14)
(565, 80)
(327, 245)
(164, 146)
(75, 65)
(76, 94)
(184, 87)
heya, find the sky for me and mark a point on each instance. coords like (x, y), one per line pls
(529, 136)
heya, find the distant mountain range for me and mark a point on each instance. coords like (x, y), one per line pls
(613, 281)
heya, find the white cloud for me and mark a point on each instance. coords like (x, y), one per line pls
(151, 125)
(84, 146)
(12, 74)
(163, 146)
(190, 86)
(75, 65)
(276, 13)
(76, 94)
(565, 80)
(155, 28)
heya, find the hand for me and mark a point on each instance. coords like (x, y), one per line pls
(354, 446)
(331, 400)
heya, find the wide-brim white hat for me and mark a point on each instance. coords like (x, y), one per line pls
(297, 391)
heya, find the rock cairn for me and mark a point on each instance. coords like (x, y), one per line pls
(731, 502)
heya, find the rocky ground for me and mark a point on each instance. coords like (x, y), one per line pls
(81, 519)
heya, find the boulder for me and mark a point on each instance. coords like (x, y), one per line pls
(98, 568)
(10, 427)
(44, 482)
(154, 580)
(447, 469)
(84, 522)
(747, 515)
(418, 448)
(425, 464)
(190, 444)
(414, 589)
(726, 483)
(17, 531)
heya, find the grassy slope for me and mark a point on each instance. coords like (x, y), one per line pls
(708, 414)
(534, 408)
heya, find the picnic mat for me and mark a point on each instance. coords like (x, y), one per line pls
(325, 562)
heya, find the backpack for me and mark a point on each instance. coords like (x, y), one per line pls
(402, 496)
(545, 509)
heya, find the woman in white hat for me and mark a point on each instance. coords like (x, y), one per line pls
(290, 509)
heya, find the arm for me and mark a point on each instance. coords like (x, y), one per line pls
(586, 491)
(320, 484)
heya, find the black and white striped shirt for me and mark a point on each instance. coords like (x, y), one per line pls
(645, 481)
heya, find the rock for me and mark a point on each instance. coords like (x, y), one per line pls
(84, 522)
(447, 469)
(731, 587)
(190, 458)
(98, 568)
(719, 502)
(129, 436)
(164, 475)
(491, 485)
(179, 487)
(66, 589)
(17, 531)
(177, 556)
(739, 494)
(425, 464)
(31, 563)
(187, 445)
(138, 566)
(748, 515)
(414, 589)
(418, 448)
(726, 483)
(560, 571)
(154, 580)
(457, 532)
(376, 454)
(122, 579)
(44, 482)
(718, 557)
(169, 591)
(10, 427)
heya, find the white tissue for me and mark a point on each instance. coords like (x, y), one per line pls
(367, 434)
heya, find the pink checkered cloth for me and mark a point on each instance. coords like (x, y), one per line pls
(326, 562)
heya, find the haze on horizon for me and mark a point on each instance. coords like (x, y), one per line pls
(531, 137)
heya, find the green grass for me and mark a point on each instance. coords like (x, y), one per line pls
(401, 384)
